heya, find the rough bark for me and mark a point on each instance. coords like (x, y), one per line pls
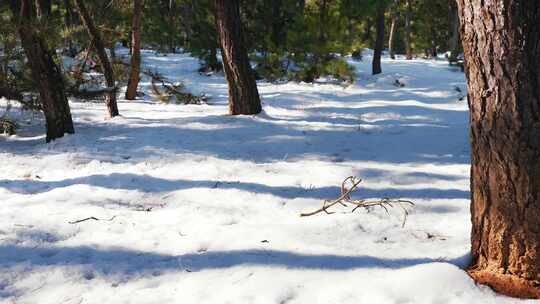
(135, 66)
(243, 94)
(95, 35)
(501, 41)
(45, 73)
(408, 30)
(379, 40)
(393, 28)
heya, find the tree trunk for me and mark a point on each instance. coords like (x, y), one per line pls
(279, 35)
(433, 51)
(93, 32)
(45, 73)
(367, 30)
(453, 43)
(323, 16)
(135, 67)
(393, 28)
(501, 41)
(379, 41)
(408, 20)
(69, 22)
(243, 94)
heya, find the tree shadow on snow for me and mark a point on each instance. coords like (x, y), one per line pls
(151, 184)
(128, 262)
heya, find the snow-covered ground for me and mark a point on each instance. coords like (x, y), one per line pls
(196, 206)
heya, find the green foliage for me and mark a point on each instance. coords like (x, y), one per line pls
(8, 126)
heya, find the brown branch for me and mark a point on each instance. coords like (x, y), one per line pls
(345, 200)
(92, 218)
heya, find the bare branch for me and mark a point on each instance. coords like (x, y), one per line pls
(345, 200)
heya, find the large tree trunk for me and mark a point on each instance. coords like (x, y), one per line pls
(135, 67)
(93, 32)
(393, 28)
(45, 73)
(501, 40)
(379, 41)
(243, 94)
(408, 30)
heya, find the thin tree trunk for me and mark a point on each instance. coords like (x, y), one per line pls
(453, 43)
(433, 51)
(393, 28)
(367, 30)
(278, 34)
(379, 41)
(135, 67)
(68, 19)
(243, 94)
(408, 20)
(45, 73)
(93, 32)
(501, 42)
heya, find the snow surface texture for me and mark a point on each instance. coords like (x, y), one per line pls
(200, 207)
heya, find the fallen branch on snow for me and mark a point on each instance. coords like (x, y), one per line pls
(345, 200)
(92, 218)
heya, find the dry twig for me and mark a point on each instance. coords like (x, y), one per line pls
(345, 200)
(92, 218)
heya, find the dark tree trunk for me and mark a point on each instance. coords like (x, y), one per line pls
(43, 8)
(135, 67)
(433, 51)
(69, 22)
(95, 35)
(379, 41)
(501, 40)
(408, 30)
(243, 94)
(278, 24)
(453, 43)
(393, 28)
(323, 17)
(45, 73)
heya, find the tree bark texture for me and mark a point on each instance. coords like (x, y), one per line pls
(45, 73)
(93, 32)
(243, 94)
(379, 40)
(135, 66)
(501, 41)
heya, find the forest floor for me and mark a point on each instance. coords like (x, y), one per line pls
(196, 206)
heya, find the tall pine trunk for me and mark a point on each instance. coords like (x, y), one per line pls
(379, 41)
(393, 28)
(408, 30)
(45, 73)
(93, 32)
(243, 94)
(135, 67)
(501, 40)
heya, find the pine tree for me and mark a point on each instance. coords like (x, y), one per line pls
(45, 73)
(243, 94)
(135, 66)
(501, 42)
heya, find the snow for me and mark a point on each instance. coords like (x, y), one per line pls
(196, 206)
